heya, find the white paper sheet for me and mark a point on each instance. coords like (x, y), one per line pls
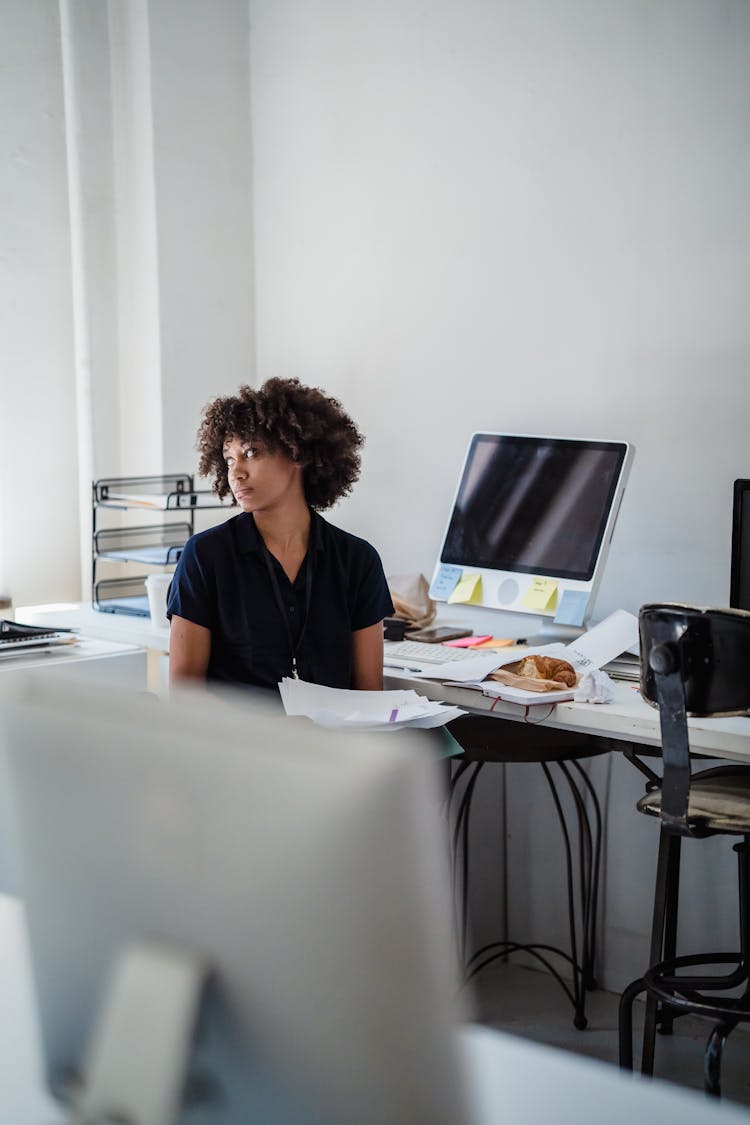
(462, 671)
(605, 641)
(363, 710)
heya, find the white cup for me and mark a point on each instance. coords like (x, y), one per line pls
(156, 588)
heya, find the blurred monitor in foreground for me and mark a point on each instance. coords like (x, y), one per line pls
(222, 894)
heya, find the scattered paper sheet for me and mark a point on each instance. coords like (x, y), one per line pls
(461, 671)
(363, 710)
(606, 641)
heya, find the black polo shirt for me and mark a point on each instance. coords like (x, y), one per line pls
(222, 582)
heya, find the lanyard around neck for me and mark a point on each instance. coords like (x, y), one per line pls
(294, 648)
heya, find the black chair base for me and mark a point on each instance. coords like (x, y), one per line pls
(673, 987)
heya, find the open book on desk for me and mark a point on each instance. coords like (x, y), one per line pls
(600, 646)
(15, 637)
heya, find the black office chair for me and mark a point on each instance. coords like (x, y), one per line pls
(693, 661)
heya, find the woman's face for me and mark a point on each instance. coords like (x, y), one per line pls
(260, 480)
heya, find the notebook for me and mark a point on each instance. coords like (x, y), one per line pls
(15, 636)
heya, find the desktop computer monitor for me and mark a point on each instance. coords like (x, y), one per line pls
(531, 523)
(307, 867)
(739, 587)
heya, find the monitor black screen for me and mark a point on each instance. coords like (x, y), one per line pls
(739, 593)
(533, 505)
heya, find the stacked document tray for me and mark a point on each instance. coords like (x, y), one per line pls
(156, 544)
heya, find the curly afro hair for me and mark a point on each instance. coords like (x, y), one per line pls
(286, 417)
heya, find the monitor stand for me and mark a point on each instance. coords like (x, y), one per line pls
(554, 634)
(141, 1045)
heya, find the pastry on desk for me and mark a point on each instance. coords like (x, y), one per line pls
(537, 673)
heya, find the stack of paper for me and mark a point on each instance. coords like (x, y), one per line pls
(363, 710)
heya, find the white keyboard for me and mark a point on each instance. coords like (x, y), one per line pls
(403, 654)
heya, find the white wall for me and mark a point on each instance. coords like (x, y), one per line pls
(526, 217)
(38, 442)
(201, 138)
(125, 257)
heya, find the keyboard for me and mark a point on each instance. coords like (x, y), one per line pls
(412, 654)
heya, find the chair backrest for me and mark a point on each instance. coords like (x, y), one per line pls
(711, 648)
(693, 661)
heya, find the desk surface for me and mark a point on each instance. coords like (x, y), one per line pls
(627, 719)
(62, 657)
(510, 1079)
(90, 622)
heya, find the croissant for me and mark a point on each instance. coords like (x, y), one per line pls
(544, 668)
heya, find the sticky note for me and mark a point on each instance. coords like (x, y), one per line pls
(498, 642)
(572, 607)
(541, 594)
(468, 591)
(468, 642)
(445, 582)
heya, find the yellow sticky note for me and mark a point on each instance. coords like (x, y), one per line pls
(468, 590)
(541, 594)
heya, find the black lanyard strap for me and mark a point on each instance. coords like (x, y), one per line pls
(294, 648)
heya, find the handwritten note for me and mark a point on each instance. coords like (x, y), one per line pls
(468, 591)
(541, 594)
(445, 582)
(572, 607)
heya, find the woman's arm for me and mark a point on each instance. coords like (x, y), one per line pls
(189, 651)
(367, 645)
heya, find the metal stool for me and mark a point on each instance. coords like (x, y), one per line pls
(692, 661)
(486, 740)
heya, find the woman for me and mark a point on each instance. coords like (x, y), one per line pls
(278, 591)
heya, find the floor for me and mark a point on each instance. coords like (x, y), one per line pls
(531, 1004)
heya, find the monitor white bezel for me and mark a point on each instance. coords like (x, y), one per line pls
(497, 585)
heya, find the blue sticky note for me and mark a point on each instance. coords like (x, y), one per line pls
(572, 607)
(445, 582)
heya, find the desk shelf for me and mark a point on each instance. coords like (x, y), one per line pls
(122, 595)
(158, 544)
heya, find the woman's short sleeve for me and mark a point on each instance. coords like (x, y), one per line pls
(372, 599)
(191, 592)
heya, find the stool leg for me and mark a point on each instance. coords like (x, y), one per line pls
(716, 1043)
(664, 919)
(713, 1057)
(666, 1018)
(592, 901)
(579, 992)
(625, 1022)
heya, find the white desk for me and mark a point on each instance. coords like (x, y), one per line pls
(628, 719)
(512, 1081)
(82, 617)
(118, 627)
(99, 662)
